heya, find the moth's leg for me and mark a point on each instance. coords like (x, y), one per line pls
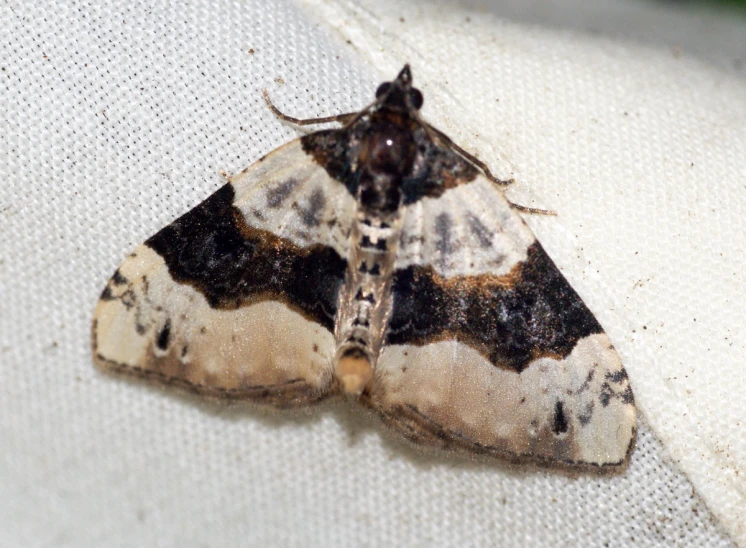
(341, 118)
(447, 141)
(532, 210)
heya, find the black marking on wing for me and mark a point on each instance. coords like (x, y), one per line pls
(164, 336)
(311, 215)
(512, 320)
(559, 422)
(213, 249)
(617, 377)
(584, 418)
(483, 234)
(277, 194)
(118, 278)
(622, 392)
(444, 243)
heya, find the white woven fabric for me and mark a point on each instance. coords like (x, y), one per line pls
(117, 117)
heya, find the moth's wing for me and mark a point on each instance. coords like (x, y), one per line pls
(488, 347)
(237, 298)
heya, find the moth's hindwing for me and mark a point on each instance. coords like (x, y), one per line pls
(489, 349)
(237, 298)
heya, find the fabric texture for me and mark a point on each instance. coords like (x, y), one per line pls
(118, 117)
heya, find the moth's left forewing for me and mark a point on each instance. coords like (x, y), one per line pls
(489, 349)
(237, 298)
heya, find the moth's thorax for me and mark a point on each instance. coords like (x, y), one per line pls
(387, 160)
(386, 155)
(388, 148)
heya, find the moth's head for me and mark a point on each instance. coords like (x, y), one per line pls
(399, 94)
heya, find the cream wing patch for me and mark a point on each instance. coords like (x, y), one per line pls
(469, 230)
(148, 325)
(289, 195)
(573, 410)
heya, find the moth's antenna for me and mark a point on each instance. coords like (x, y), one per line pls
(341, 118)
(360, 114)
(438, 136)
(432, 134)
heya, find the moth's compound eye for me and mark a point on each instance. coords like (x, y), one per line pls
(383, 89)
(415, 98)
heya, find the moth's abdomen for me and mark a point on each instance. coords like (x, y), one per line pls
(365, 298)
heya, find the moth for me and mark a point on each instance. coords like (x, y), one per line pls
(381, 262)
